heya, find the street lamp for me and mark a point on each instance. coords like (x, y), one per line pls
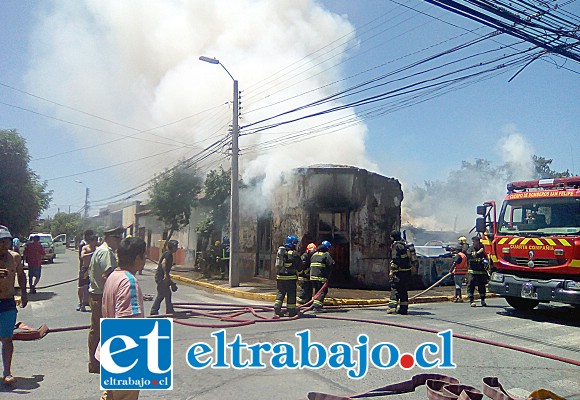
(234, 276)
(86, 198)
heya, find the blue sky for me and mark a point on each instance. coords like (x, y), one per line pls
(94, 72)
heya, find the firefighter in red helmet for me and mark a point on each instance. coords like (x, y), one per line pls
(305, 294)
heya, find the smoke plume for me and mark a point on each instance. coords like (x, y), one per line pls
(136, 63)
(450, 204)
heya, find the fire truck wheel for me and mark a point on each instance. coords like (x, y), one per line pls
(522, 304)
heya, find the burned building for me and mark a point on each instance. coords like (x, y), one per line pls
(351, 207)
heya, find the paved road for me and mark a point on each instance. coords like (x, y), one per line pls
(55, 367)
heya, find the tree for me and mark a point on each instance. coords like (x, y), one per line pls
(217, 187)
(173, 194)
(543, 170)
(71, 224)
(22, 195)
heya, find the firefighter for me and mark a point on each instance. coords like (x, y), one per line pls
(224, 262)
(399, 275)
(459, 268)
(476, 272)
(304, 276)
(213, 259)
(288, 263)
(321, 266)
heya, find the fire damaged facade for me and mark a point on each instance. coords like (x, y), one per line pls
(351, 207)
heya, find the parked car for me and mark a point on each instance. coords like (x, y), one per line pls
(52, 247)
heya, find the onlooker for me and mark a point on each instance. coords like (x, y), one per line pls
(10, 267)
(102, 263)
(16, 245)
(164, 283)
(86, 251)
(33, 253)
(122, 296)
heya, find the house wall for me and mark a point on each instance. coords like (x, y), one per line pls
(373, 205)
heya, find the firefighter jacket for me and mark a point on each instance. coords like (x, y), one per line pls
(321, 265)
(304, 275)
(460, 263)
(476, 261)
(400, 257)
(288, 263)
(225, 256)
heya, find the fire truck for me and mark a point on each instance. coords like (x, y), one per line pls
(533, 244)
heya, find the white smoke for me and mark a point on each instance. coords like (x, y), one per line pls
(136, 63)
(450, 205)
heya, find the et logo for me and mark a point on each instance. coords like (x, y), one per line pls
(136, 353)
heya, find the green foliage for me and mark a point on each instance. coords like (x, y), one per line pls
(71, 224)
(22, 195)
(217, 187)
(173, 194)
(543, 170)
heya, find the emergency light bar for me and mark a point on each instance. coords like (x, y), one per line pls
(553, 183)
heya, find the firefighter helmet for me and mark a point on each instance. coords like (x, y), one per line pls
(217, 243)
(291, 241)
(396, 235)
(311, 248)
(326, 244)
(462, 239)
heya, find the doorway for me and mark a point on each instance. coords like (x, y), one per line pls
(264, 250)
(334, 226)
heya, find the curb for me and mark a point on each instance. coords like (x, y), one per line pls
(230, 291)
(328, 301)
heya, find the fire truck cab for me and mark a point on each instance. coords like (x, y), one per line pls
(534, 242)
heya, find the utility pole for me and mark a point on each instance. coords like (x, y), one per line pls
(235, 200)
(234, 275)
(87, 202)
(86, 197)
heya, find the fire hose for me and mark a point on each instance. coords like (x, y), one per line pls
(230, 315)
(442, 387)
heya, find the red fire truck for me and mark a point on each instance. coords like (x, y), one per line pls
(534, 243)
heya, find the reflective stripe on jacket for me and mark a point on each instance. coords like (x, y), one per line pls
(292, 264)
(321, 264)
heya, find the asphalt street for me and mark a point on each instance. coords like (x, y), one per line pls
(56, 366)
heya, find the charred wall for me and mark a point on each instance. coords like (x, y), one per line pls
(364, 208)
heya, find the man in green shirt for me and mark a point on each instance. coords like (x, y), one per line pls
(103, 262)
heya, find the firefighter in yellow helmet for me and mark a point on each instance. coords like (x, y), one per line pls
(459, 268)
(305, 294)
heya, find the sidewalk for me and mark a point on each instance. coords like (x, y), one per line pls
(258, 288)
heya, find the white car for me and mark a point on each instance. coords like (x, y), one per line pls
(52, 247)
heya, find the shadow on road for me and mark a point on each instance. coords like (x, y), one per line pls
(23, 385)
(564, 315)
(39, 296)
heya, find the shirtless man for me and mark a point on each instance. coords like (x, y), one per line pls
(10, 267)
(84, 260)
